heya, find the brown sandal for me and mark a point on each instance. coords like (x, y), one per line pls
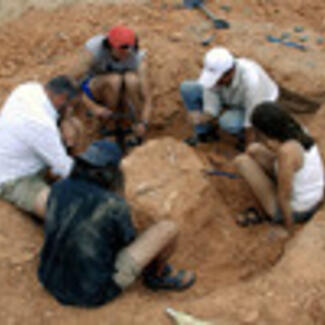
(249, 216)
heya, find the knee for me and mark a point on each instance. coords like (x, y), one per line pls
(113, 80)
(253, 149)
(240, 161)
(72, 130)
(131, 80)
(189, 87)
(230, 124)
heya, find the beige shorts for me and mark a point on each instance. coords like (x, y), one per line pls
(127, 270)
(23, 192)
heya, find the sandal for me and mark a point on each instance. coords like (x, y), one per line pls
(249, 216)
(169, 282)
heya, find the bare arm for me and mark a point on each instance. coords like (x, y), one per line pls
(84, 62)
(96, 109)
(290, 159)
(143, 75)
(249, 136)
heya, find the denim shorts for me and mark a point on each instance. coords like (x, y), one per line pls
(298, 217)
(86, 89)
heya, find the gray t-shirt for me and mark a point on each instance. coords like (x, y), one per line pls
(104, 62)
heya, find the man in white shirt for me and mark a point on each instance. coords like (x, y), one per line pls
(30, 141)
(229, 88)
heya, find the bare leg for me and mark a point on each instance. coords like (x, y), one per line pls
(40, 203)
(157, 242)
(107, 89)
(263, 156)
(153, 248)
(197, 117)
(133, 92)
(258, 180)
(72, 130)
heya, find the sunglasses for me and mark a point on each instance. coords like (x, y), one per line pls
(125, 47)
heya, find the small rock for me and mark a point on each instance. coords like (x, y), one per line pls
(285, 35)
(299, 29)
(225, 8)
(304, 38)
(320, 40)
(62, 36)
(176, 37)
(208, 40)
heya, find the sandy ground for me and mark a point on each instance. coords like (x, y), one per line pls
(41, 43)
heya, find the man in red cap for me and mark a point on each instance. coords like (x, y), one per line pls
(113, 75)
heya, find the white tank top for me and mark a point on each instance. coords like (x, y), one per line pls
(308, 182)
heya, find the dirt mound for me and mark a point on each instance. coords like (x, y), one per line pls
(163, 174)
(239, 276)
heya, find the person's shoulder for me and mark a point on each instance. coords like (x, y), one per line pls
(27, 87)
(249, 71)
(95, 43)
(292, 151)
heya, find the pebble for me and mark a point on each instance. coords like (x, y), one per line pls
(225, 8)
(285, 35)
(176, 37)
(304, 38)
(208, 40)
(62, 36)
(299, 29)
(320, 40)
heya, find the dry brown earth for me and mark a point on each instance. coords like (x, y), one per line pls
(250, 276)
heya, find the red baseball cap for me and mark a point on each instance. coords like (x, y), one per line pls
(121, 35)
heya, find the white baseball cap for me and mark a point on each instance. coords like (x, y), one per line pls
(216, 62)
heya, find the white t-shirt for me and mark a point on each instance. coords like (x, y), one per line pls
(29, 137)
(250, 86)
(308, 182)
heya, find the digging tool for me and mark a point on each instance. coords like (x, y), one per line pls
(120, 132)
(273, 39)
(218, 23)
(217, 172)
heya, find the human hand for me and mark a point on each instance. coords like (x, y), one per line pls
(140, 129)
(103, 113)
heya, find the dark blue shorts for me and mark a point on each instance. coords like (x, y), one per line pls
(298, 217)
(86, 89)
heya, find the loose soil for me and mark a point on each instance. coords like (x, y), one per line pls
(227, 259)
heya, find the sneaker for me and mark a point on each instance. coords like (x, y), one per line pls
(208, 137)
(241, 142)
(192, 141)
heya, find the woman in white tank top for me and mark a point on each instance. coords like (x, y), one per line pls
(285, 171)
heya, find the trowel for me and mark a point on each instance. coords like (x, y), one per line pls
(218, 23)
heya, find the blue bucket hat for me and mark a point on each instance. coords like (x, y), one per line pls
(101, 153)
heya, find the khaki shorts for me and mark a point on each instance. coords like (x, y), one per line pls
(127, 270)
(23, 192)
